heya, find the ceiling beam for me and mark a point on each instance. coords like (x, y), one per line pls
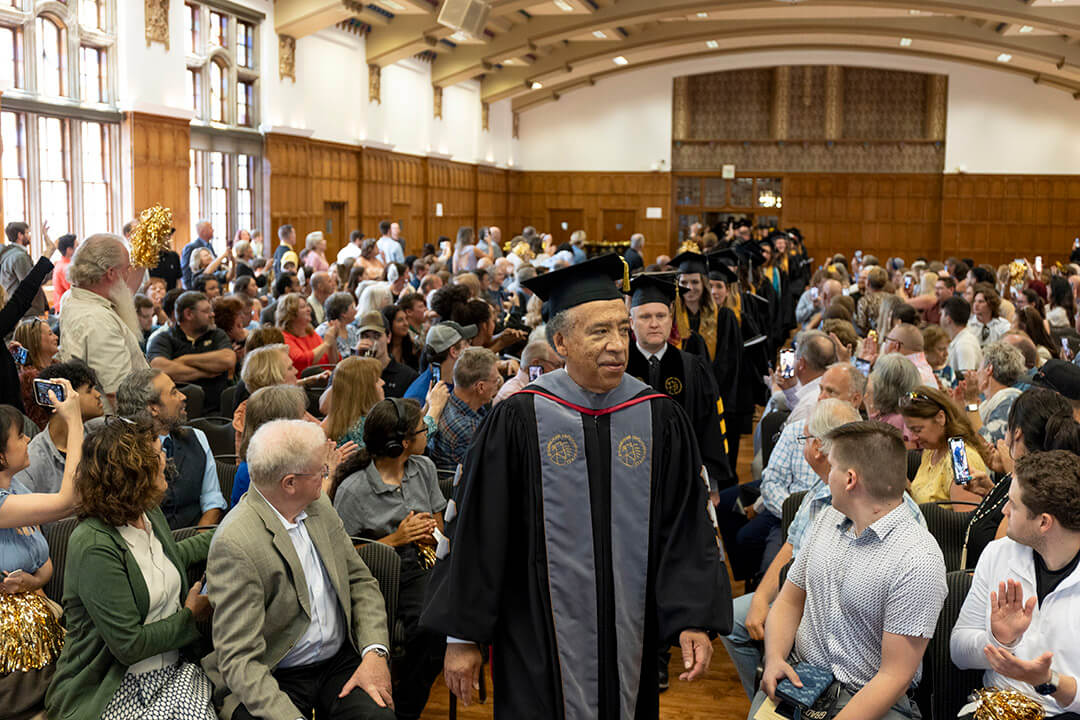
(298, 18)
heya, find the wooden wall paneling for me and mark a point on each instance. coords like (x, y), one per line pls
(160, 166)
(391, 180)
(492, 200)
(454, 185)
(305, 175)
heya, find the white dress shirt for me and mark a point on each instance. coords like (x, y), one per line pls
(659, 355)
(163, 584)
(965, 354)
(351, 250)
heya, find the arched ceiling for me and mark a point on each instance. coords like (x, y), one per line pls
(533, 51)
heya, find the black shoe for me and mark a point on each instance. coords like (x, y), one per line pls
(663, 678)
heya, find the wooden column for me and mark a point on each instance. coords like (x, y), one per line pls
(160, 165)
(781, 103)
(680, 111)
(936, 100)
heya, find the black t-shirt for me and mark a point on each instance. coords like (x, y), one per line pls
(168, 268)
(397, 378)
(986, 519)
(1047, 580)
(174, 343)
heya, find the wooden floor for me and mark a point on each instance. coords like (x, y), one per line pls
(717, 696)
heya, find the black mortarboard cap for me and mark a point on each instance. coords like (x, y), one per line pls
(1060, 376)
(690, 262)
(585, 282)
(751, 251)
(656, 287)
(721, 263)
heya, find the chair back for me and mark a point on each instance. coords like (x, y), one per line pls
(219, 433)
(226, 474)
(771, 426)
(385, 564)
(446, 483)
(949, 529)
(228, 400)
(790, 508)
(196, 399)
(945, 687)
(57, 535)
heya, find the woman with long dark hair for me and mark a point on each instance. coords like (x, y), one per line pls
(399, 342)
(389, 492)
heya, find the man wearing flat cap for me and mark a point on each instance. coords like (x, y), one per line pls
(581, 538)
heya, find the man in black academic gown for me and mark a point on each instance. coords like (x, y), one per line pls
(581, 537)
(684, 376)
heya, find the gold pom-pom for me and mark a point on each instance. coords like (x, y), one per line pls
(523, 251)
(995, 704)
(30, 636)
(689, 246)
(151, 236)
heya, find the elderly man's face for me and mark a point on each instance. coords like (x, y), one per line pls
(836, 383)
(206, 231)
(596, 345)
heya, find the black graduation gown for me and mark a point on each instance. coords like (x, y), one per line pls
(493, 585)
(755, 361)
(728, 357)
(688, 380)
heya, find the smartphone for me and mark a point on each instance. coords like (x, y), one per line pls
(436, 373)
(814, 292)
(960, 470)
(535, 371)
(21, 355)
(41, 392)
(908, 280)
(1065, 348)
(787, 363)
(863, 366)
(203, 590)
(1038, 263)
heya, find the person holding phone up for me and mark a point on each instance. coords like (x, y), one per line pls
(24, 553)
(933, 419)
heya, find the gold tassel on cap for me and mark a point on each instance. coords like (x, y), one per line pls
(30, 636)
(995, 704)
(151, 236)
(625, 275)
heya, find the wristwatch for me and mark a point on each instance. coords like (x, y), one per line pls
(386, 656)
(1050, 686)
(972, 407)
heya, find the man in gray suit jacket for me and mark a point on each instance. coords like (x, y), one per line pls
(299, 622)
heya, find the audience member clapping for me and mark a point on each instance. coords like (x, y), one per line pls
(390, 493)
(293, 317)
(128, 609)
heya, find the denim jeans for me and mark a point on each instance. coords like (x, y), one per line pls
(745, 652)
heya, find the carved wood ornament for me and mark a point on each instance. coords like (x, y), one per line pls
(374, 84)
(287, 57)
(157, 22)
(437, 102)
(485, 116)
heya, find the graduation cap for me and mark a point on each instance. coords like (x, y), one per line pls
(690, 262)
(751, 251)
(721, 263)
(656, 287)
(585, 282)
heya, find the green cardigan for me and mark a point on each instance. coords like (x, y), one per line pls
(105, 604)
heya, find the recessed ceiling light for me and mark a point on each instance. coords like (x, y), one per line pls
(1026, 29)
(905, 42)
(600, 34)
(564, 6)
(459, 36)
(1004, 57)
(536, 86)
(703, 15)
(712, 44)
(395, 6)
(1057, 1)
(620, 60)
(914, 12)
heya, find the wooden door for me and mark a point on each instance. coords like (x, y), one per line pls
(401, 213)
(563, 223)
(617, 227)
(334, 228)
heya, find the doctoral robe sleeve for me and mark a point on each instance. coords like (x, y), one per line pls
(703, 412)
(464, 590)
(692, 587)
(729, 351)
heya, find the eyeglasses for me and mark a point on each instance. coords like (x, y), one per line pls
(803, 439)
(914, 397)
(324, 473)
(893, 340)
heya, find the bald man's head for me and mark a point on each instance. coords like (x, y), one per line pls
(908, 337)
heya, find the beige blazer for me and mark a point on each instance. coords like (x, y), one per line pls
(260, 612)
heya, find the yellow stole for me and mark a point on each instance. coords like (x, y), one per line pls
(707, 327)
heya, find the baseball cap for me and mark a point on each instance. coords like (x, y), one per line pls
(373, 320)
(446, 334)
(1060, 376)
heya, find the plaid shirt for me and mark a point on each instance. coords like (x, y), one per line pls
(457, 426)
(787, 471)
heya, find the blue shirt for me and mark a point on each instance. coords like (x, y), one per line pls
(457, 427)
(241, 481)
(21, 548)
(418, 390)
(787, 471)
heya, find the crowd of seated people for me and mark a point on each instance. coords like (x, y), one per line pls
(354, 383)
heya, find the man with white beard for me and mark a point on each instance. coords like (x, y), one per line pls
(98, 322)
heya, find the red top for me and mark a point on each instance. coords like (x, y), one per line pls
(60, 280)
(302, 349)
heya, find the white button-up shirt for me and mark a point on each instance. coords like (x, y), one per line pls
(163, 583)
(94, 333)
(1055, 624)
(326, 633)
